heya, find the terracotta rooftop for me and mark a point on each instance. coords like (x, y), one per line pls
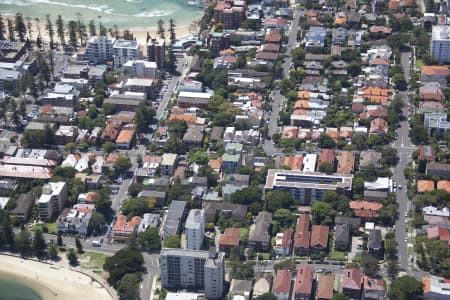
(352, 279)
(282, 283)
(373, 284)
(319, 236)
(302, 233)
(325, 286)
(230, 237)
(435, 70)
(425, 186)
(294, 162)
(443, 185)
(326, 156)
(125, 136)
(346, 162)
(304, 280)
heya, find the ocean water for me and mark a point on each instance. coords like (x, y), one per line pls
(11, 289)
(123, 13)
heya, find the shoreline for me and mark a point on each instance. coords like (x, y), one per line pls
(52, 281)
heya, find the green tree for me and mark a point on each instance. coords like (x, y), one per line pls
(370, 266)
(52, 251)
(78, 245)
(172, 33)
(23, 242)
(102, 200)
(392, 269)
(247, 195)
(109, 147)
(72, 257)
(198, 156)
(406, 288)
(219, 27)
(149, 240)
(2, 29)
(51, 31)
(39, 244)
(6, 231)
(326, 167)
(134, 189)
(60, 29)
(278, 199)
(91, 25)
(360, 141)
(161, 31)
(172, 241)
(59, 240)
(354, 69)
(72, 26)
(128, 288)
(125, 261)
(122, 164)
(144, 117)
(284, 217)
(20, 27)
(135, 206)
(96, 223)
(325, 141)
(11, 35)
(321, 213)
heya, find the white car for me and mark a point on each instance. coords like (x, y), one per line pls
(406, 214)
(406, 239)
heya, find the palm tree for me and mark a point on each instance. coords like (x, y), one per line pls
(16, 119)
(22, 108)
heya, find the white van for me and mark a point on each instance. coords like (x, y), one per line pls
(96, 243)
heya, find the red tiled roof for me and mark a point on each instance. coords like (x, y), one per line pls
(294, 162)
(304, 280)
(325, 286)
(326, 156)
(319, 236)
(230, 237)
(302, 233)
(282, 282)
(425, 186)
(444, 185)
(352, 279)
(435, 70)
(346, 162)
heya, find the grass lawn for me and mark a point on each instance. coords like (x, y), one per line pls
(244, 231)
(336, 255)
(52, 227)
(265, 256)
(96, 260)
(357, 258)
(410, 228)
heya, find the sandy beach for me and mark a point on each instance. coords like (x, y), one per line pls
(139, 33)
(52, 281)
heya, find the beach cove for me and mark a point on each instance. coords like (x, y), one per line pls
(49, 282)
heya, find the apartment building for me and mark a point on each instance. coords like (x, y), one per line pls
(99, 49)
(54, 195)
(307, 186)
(194, 270)
(125, 50)
(440, 43)
(230, 13)
(123, 228)
(168, 163)
(141, 68)
(195, 229)
(156, 51)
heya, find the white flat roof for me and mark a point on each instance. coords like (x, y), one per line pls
(194, 95)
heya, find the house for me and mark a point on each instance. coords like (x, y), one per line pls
(435, 288)
(160, 197)
(431, 91)
(440, 169)
(367, 158)
(325, 156)
(171, 224)
(229, 239)
(125, 139)
(339, 36)
(127, 101)
(325, 287)
(194, 135)
(443, 185)
(365, 210)
(282, 284)
(439, 232)
(242, 288)
(435, 74)
(303, 285)
(75, 220)
(24, 206)
(92, 181)
(433, 211)
(293, 162)
(216, 134)
(168, 164)
(342, 237)
(346, 162)
(373, 288)
(123, 228)
(302, 235)
(315, 37)
(261, 286)
(378, 126)
(149, 221)
(427, 153)
(353, 223)
(319, 238)
(237, 212)
(352, 283)
(283, 242)
(193, 99)
(110, 132)
(375, 196)
(259, 233)
(425, 186)
(231, 159)
(66, 134)
(375, 243)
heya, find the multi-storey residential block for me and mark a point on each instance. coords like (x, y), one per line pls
(307, 186)
(54, 195)
(193, 270)
(124, 50)
(141, 68)
(99, 49)
(156, 51)
(230, 13)
(195, 229)
(440, 43)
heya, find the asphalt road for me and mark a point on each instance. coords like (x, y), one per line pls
(277, 98)
(405, 149)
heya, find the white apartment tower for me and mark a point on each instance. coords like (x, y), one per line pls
(99, 49)
(193, 270)
(141, 68)
(195, 229)
(54, 195)
(125, 50)
(440, 43)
